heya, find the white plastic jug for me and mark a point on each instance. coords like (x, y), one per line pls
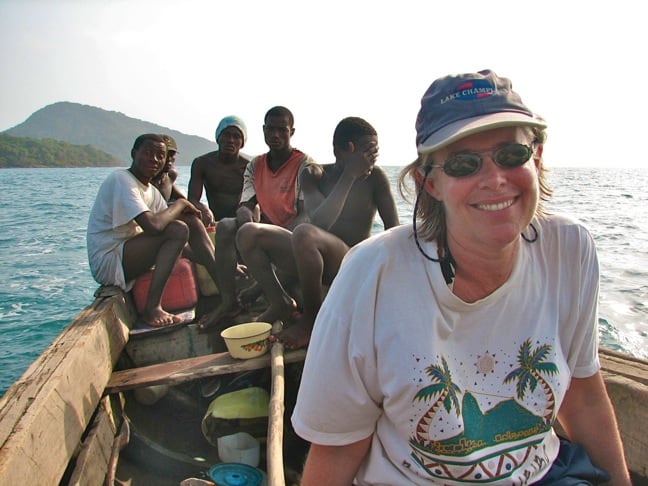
(240, 447)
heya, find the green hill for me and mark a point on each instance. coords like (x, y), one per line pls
(109, 131)
(21, 152)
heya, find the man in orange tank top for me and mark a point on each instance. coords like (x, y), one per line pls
(271, 195)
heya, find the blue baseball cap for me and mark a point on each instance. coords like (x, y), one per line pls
(459, 105)
(231, 121)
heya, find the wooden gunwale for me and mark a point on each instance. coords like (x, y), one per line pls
(45, 413)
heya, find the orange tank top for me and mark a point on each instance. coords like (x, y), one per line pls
(276, 192)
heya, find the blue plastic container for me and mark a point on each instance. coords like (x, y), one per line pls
(235, 474)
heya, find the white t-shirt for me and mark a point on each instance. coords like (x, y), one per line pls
(453, 392)
(121, 198)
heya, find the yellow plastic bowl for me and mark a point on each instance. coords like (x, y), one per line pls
(247, 340)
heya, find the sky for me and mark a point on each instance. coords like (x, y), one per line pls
(185, 64)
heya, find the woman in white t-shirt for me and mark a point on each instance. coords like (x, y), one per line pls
(445, 350)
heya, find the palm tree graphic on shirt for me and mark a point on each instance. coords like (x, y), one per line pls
(446, 390)
(529, 374)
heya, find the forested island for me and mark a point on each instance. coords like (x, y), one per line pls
(24, 152)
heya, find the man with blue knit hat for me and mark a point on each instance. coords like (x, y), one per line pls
(221, 172)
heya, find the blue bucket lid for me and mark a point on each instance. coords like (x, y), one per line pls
(235, 474)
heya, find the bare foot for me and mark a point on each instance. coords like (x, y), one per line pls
(283, 312)
(249, 295)
(221, 314)
(293, 337)
(158, 317)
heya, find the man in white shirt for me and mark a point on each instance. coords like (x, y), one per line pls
(131, 229)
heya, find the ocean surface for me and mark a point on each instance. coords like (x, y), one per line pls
(45, 280)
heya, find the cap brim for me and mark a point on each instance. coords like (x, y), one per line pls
(463, 128)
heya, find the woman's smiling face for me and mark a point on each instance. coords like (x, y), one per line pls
(494, 205)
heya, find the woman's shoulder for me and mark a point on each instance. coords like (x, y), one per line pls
(385, 257)
(563, 227)
(386, 245)
(561, 221)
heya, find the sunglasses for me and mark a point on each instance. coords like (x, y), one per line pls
(465, 164)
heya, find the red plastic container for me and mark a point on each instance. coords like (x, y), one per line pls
(179, 293)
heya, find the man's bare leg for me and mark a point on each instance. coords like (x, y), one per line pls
(141, 253)
(202, 248)
(262, 246)
(249, 295)
(318, 255)
(225, 268)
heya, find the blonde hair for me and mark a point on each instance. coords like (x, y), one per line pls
(430, 212)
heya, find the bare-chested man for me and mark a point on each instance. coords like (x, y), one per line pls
(341, 200)
(131, 229)
(221, 172)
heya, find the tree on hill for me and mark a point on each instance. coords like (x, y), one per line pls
(109, 131)
(19, 152)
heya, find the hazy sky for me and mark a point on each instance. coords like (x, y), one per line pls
(185, 64)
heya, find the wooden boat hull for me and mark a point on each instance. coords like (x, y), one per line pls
(56, 413)
(626, 380)
(63, 421)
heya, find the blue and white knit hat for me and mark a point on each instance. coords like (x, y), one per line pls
(231, 121)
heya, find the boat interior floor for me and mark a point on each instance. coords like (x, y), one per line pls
(167, 442)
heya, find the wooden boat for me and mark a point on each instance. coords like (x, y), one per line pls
(65, 421)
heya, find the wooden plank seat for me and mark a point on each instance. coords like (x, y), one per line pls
(183, 370)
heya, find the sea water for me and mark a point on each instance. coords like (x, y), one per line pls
(45, 280)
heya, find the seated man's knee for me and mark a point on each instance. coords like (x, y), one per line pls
(194, 222)
(177, 230)
(226, 230)
(246, 236)
(305, 235)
